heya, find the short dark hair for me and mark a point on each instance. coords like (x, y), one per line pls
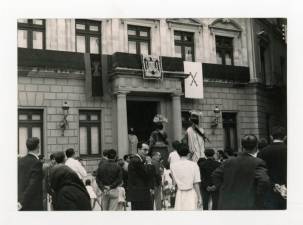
(51, 157)
(112, 153)
(209, 152)
(159, 126)
(120, 162)
(32, 143)
(59, 157)
(154, 153)
(175, 144)
(125, 157)
(87, 182)
(105, 152)
(139, 145)
(249, 142)
(183, 150)
(278, 133)
(69, 152)
(262, 143)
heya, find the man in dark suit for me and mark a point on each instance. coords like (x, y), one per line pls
(140, 179)
(30, 178)
(275, 156)
(207, 166)
(242, 180)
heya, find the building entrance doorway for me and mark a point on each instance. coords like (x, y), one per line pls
(140, 116)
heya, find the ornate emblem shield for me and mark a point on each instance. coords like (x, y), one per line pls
(152, 67)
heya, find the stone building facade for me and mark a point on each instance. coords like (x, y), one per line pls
(95, 67)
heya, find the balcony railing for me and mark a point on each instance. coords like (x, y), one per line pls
(226, 73)
(62, 60)
(50, 59)
(133, 61)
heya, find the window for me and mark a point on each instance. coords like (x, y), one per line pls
(263, 63)
(224, 50)
(230, 132)
(88, 36)
(184, 45)
(138, 40)
(90, 129)
(30, 124)
(31, 33)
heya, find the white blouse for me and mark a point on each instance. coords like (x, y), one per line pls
(185, 174)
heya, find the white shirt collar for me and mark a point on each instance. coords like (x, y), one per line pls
(277, 141)
(139, 157)
(31, 153)
(253, 155)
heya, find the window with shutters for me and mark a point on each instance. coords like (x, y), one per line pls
(30, 124)
(138, 40)
(224, 50)
(230, 131)
(31, 33)
(88, 36)
(184, 45)
(90, 132)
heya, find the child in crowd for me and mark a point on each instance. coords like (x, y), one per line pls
(96, 189)
(92, 194)
(121, 199)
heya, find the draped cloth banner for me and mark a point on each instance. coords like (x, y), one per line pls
(194, 82)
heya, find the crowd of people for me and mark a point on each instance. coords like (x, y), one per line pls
(188, 177)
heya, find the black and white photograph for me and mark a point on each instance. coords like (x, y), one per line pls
(151, 114)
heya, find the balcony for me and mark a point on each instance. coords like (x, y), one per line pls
(215, 72)
(88, 64)
(50, 59)
(131, 64)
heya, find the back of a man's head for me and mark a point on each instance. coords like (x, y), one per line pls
(105, 152)
(32, 143)
(183, 150)
(262, 143)
(70, 152)
(59, 157)
(278, 133)
(111, 154)
(126, 157)
(209, 152)
(249, 142)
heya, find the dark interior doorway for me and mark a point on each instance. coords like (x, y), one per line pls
(140, 117)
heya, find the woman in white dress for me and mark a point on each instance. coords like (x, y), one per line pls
(186, 175)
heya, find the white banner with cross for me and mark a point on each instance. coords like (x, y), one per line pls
(194, 82)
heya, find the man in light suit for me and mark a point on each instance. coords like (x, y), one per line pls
(242, 180)
(30, 178)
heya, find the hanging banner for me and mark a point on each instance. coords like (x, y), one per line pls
(152, 67)
(194, 82)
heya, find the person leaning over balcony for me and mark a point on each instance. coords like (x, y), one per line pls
(74, 164)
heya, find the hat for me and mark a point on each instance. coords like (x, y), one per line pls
(160, 119)
(195, 113)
